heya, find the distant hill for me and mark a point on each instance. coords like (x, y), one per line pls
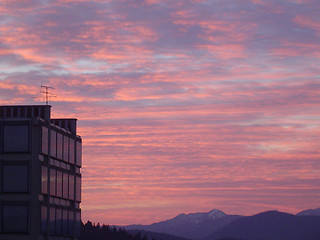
(271, 225)
(192, 226)
(309, 212)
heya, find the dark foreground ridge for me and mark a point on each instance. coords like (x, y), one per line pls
(90, 231)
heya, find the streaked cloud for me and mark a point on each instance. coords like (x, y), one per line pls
(183, 106)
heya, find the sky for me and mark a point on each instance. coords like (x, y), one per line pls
(183, 106)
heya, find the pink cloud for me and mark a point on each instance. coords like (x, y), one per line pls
(186, 105)
(308, 22)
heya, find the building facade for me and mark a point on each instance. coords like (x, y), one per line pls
(40, 179)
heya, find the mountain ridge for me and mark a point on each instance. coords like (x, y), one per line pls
(192, 225)
(201, 225)
(309, 212)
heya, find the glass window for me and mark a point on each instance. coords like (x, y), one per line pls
(78, 223)
(66, 148)
(78, 189)
(79, 154)
(59, 184)
(17, 214)
(71, 187)
(71, 223)
(44, 215)
(59, 221)
(45, 142)
(53, 182)
(59, 146)
(71, 151)
(53, 143)
(16, 138)
(44, 180)
(15, 178)
(65, 185)
(65, 222)
(52, 220)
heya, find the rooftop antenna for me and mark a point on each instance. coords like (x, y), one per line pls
(46, 92)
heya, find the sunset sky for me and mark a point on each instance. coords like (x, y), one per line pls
(183, 105)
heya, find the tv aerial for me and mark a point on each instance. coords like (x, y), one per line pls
(46, 92)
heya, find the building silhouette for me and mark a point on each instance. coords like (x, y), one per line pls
(40, 179)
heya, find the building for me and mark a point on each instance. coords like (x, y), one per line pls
(40, 179)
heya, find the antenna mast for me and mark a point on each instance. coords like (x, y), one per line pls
(46, 92)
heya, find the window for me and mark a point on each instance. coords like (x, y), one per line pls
(44, 180)
(65, 185)
(71, 187)
(71, 151)
(59, 145)
(79, 154)
(53, 182)
(45, 142)
(16, 138)
(53, 143)
(44, 216)
(59, 184)
(66, 148)
(71, 223)
(65, 222)
(78, 223)
(52, 220)
(59, 221)
(78, 189)
(15, 178)
(17, 214)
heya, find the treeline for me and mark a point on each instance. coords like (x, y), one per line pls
(91, 231)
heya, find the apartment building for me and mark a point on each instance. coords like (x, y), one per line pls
(40, 178)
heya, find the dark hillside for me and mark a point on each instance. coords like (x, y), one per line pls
(105, 232)
(271, 225)
(156, 236)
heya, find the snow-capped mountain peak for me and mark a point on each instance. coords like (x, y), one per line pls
(215, 213)
(199, 217)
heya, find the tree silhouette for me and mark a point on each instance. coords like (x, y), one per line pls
(91, 231)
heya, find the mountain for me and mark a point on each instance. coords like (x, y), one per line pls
(192, 226)
(271, 225)
(309, 212)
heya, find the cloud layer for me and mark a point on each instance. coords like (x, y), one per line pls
(183, 106)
